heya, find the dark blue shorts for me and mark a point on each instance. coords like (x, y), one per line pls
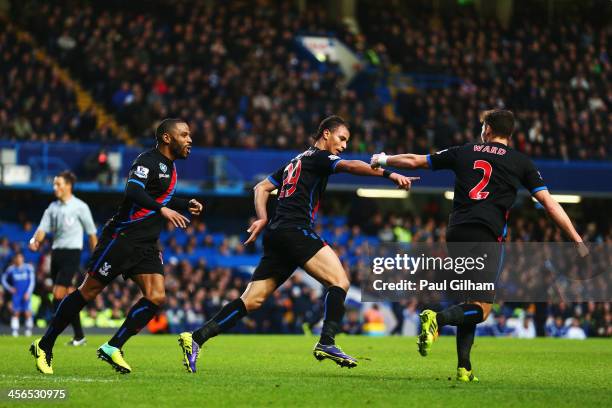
(117, 255)
(284, 250)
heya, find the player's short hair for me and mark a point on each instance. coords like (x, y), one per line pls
(68, 176)
(500, 120)
(165, 126)
(330, 123)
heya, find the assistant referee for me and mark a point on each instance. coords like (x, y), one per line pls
(66, 219)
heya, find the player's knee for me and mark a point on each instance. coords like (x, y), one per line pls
(89, 294)
(158, 298)
(341, 282)
(59, 294)
(90, 289)
(252, 303)
(486, 309)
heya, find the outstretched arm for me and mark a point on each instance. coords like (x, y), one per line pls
(401, 161)
(359, 168)
(262, 193)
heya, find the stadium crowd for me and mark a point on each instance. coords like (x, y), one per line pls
(34, 103)
(197, 287)
(555, 77)
(235, 73)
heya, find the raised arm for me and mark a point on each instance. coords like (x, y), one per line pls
(262, 192)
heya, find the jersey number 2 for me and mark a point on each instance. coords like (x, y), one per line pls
(476, 193)
(291, 180)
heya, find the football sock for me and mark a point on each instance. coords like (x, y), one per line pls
(465, 340)
(139, 315)
(15, 323)
(29, 324)
(75, 323)
(224, 320)
(76, 327)
(334, 312)
(466, 313)
(70, 306)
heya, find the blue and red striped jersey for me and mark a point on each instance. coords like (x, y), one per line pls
(157, 175)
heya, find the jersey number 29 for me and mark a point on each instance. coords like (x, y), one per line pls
(476, 193)
(291, 179)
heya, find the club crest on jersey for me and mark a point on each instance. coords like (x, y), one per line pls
(142, 172)
(333, 157)
(104, 269)
(163, 167)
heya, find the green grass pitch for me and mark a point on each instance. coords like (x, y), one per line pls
(280, 371)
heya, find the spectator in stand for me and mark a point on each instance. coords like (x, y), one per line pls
(556, 328)
(574, 331)
(526, 328)
(19, 280)
(36, 103)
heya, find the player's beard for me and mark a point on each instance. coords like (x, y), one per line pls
(180, 152)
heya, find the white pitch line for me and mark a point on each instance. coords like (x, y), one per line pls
(56, 379)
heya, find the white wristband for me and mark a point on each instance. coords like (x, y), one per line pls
(382, 159)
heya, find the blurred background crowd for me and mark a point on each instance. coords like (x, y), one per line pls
(233, 71)
(196, 290)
